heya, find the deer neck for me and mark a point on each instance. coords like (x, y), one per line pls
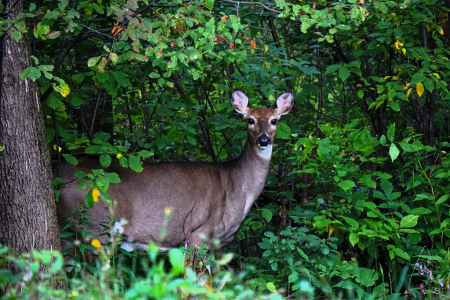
(252, 167)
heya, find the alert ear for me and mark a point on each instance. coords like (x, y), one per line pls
(239, 101)
(285, 103)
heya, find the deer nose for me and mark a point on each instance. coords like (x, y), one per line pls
(263, 141)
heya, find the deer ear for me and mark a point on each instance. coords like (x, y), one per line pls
(285, 103)
(239, 101)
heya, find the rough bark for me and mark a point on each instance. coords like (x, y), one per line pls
(27, 205)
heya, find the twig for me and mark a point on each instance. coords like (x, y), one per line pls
(253, 3)
(168, 5)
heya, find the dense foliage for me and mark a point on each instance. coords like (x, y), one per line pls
(357, 203)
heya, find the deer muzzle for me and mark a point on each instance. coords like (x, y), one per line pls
(263, 141)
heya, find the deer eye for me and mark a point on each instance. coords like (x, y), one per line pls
(274, 121)
(251, 121)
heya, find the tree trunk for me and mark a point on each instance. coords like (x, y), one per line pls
(27, 205)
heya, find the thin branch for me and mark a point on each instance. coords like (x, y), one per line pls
(168, 5)
(97, 31)
(253, 3)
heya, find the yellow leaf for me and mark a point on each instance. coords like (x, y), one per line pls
(330, 230)
(396, 44)
(95, 194)
(394, 77)
(345, 262)
(408, 93)
(65, 90)
(387, 77)
(353, 259)
(441, 31)
(359, 85)
(437, 75)
(119, 156)
(404, 51)
(419, 89)
(96, 243)
(407, 86)
(393, 14)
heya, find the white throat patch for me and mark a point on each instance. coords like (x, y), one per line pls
(266, 152)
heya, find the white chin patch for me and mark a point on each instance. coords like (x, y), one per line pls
(265, 152)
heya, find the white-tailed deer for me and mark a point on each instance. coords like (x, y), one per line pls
(207, 200)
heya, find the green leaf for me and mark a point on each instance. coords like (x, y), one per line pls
(176, 258)
(135, 163)
(383, 140)
(267, 214)
(371, 183)
(160, 143)
(145, 153)
(53, 102)
(283, 131)
(271, 287)
(105, 160)
(78, 78)
(418, 77)
(409, 147)
(393, 152)
(89, 199)
(394, 105)
(391, 133)
(332, 68)
(17, 35)
(442, 199)
(293, 277)
(409, 221)
(445, 222)
(102, 76)
(420, 211)
(302, 254)
(70, 159)
(57, 264)
(112, 177)
(124, 162)
(353, 238)
(344, 73)
(191, 140)
(352, 222)
(79, 174)
(399, 252)
(387, 186)
(209, 4)
(31, 72)
(360, 94)
(346, 185)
